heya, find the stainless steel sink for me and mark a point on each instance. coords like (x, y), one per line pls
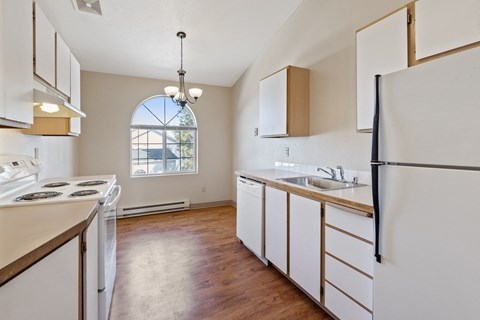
(324, 184)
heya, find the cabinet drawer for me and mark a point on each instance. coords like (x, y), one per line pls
(356, 252)
(356, 285)
(344, 307)
(350, 222)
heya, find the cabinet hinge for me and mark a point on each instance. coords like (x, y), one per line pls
(409, 18)
(84, 246)
(321, 290)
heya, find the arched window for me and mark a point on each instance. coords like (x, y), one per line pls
(163, 138)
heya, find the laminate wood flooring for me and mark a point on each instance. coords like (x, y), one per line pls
(190, 266)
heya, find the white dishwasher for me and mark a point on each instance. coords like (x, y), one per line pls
(251, 216)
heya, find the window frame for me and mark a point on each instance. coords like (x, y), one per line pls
(164, 130)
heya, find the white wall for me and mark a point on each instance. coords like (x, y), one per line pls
(320, 36)
(109, 100)
(59, 155)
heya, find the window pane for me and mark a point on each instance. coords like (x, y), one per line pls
(157, 151)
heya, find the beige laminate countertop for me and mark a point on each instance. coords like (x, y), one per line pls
(29, 233)
(359, 198)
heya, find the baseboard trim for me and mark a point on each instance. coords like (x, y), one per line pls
(194, 206)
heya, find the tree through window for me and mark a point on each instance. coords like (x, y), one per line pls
(163, 138)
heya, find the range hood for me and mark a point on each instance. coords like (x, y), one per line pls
(44, 94)
(66, 110)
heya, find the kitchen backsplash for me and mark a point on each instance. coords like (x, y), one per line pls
(364, 177)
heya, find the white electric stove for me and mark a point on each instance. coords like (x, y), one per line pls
(19, 186)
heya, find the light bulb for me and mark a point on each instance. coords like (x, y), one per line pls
(50, 108)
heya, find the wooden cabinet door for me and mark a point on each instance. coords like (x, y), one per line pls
(305, 240)
(381, 48)
(16, 69)
(47, 290)
(75, 93)
(443, 25)
(273, 105)
(62, 66)
(276, 220)
(44, 47)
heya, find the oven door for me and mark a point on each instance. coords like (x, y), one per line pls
(107, 240)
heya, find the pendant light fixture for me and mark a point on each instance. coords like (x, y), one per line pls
(178, 95)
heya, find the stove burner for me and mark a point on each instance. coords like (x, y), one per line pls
(55, 184)
(38, 195)
(91, 183)
(84, 193)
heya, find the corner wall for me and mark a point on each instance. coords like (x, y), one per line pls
(320, 36)
(109, 101)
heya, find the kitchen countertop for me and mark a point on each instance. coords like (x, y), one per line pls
(29, 233)
(359, 198)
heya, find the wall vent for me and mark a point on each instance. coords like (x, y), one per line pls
(153, 209)
(88, 6)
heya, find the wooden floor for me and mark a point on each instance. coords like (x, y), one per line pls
(190, 266)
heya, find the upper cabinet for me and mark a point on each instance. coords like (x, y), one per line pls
(57, 81)
(382, 47)
(443, 25)
(62, 66)
(16, 63)
(44, 63)
(74, 92)
(285, 103)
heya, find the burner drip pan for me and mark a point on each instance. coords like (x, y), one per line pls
(91, 183)
(83, 193)
(38, 195)
(55, 184)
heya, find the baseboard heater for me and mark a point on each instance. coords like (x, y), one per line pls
(154, 209)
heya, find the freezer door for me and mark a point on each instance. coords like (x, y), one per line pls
(430, 236)
(430, 113)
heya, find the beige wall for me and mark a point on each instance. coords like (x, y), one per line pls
(319, 36)
(109, 100)
(59, 155)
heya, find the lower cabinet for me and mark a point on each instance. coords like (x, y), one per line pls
(47, 290)
(348, 263)
(293, 243)
(276, 226)
(305, 249)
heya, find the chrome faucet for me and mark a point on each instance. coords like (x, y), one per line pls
(332, 173)
(342, 173)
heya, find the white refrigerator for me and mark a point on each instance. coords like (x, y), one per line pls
(426, 185)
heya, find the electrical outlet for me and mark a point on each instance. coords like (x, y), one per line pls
(287, 151)
(35, 152)
(255, 132)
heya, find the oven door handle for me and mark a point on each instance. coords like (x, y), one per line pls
(114, 201)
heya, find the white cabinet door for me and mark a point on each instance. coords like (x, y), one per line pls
(47, 290)
(305, 249)
(276, 227)
(273, 105)
(442, 25)
(91, 271)
(381, 48)
(62, 65)
(16, 36)
(44, 47)
(75, 92)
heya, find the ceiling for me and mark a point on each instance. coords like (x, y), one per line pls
(138, 38)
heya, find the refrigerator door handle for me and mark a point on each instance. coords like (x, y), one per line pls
(375, 164)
